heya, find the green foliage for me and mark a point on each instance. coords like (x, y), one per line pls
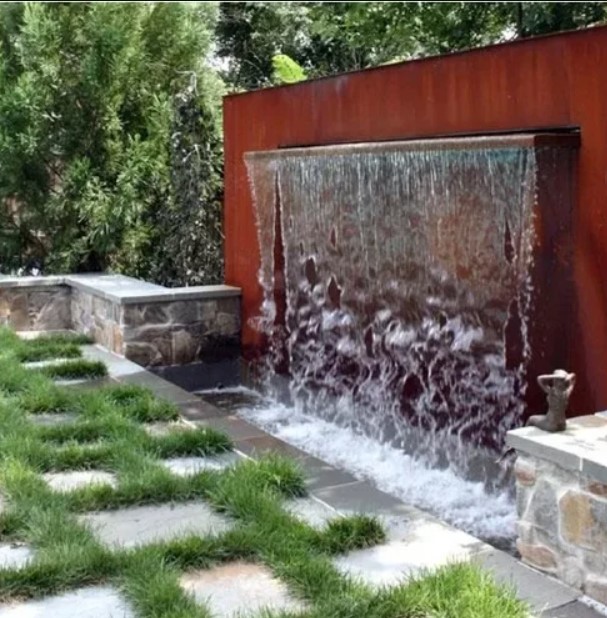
(286, 70)
(332, 37)
(90, 98)
(250, 34)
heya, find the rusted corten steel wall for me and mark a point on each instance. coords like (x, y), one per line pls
(555, 81)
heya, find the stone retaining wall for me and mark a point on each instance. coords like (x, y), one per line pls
(561, 485)
(45, 307)
(149, 324)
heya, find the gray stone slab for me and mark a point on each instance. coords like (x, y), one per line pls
(234, 427)
(52, 419)
(86, 385)
(146, 524)
(321, 475)
(239, 589)
(69, 481)
(540, 591)
(595, 465)
(203, 292)
(426, 546)
(571, 610)
(93, 602)
(9, 281)
(14, 555)
(117, 366)
(159, 429)
(200, 410)
(362, 497)
(262, 445)
(312, 511)
(28, 335)
(187, 466)
(533, 441)
(161, 388)
(73, 382)
(46, 363)
(585, 439)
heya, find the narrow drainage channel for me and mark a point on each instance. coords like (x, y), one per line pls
(464, 504)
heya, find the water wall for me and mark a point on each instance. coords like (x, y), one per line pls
(531, 86)
(398, 282)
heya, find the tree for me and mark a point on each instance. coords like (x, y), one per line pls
(89, 101)
(332, 37)
(250, 34)
(544, 17)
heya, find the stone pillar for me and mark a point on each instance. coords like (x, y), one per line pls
(561, 490)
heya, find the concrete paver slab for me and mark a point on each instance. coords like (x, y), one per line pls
(69, 481)
(187, 466)
(146, 524)
(14, 556)
(93, 602)
(48, 419)
(313, 512)
(540, 591)
(426, 545)
(239, 589)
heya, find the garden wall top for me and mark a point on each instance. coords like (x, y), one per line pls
(582, 447)
(121, 289)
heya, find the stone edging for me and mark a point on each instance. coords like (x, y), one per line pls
(121, 289)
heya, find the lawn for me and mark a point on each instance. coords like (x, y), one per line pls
(106, 431)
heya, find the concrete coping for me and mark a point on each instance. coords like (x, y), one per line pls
(582, 447)
(121, 289)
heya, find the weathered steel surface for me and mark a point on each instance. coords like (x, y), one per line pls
(550, 82)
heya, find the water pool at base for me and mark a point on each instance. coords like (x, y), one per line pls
(465, 504)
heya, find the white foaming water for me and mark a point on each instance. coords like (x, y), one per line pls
(462, 503)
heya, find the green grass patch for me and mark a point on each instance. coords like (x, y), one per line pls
(74, 369)
(108, 433)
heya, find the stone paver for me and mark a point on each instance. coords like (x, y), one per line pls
(69, 481)
(239, 589)
(34, 334)
(541, 592)
(187, 466)
(200, 410)
(426, 545)
(159, 429)
(14, 555)
(146, 524)
(46, 363)
(571, 610)
(93, 602)
(363, 497)
(311, 511)
(234, 427)
(48, 419)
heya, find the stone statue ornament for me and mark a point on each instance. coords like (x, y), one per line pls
(558, 387)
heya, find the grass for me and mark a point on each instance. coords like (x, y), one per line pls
(108, 432)
(74, 369)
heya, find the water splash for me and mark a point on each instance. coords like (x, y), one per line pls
(397, 288)
(464, 504)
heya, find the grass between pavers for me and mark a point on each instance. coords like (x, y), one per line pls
(45, 347)
(107, 433)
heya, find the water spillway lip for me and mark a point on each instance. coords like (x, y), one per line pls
(484, 142)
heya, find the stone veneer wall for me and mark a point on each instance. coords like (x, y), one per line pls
(181, 332)
(149, 324)
(45, 307)
(561, 489)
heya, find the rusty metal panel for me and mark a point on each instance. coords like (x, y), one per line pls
(549, 82)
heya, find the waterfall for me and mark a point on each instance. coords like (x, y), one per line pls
(397, 289)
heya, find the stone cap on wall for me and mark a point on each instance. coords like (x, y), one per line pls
(121, 289)
(582, 447)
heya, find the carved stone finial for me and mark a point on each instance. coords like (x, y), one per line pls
(558, 387)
